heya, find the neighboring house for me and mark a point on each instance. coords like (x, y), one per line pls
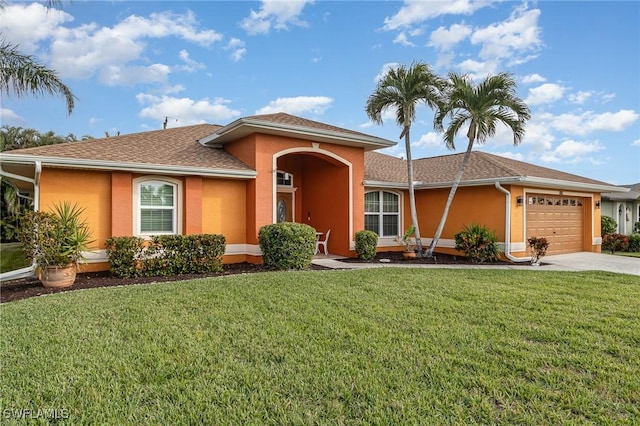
(259, 170)
(623, 207)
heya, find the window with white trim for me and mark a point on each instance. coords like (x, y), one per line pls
(156, 204)
(382, 213)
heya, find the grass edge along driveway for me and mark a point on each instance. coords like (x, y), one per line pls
(381, 346)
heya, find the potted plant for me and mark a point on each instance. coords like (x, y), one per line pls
(56, 242)
(538, 247)
(409, 243)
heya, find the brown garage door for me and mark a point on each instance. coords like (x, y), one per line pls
(559, 219)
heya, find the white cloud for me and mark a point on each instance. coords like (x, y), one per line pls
(512, 155)
(579, 98)
(545, 93)
(26, 25)
(236, 46)
(403, 40)
(444, 39)
(429, 140)
(636, 142)
(276, 14)
(571, 151)
(478, 70)
(533, 78)
(8, 116)
(117, 75)
(189, 64)
(298, 105)
(588, 121)
(88, 50)
(185, 111)
(416, 11)
(518, 34)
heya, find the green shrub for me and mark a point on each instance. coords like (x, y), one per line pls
(608, 225)
(124, 254)
(478, 243)
(165, 255)
(636, 228)
(634, 243)
(366, 243)
(615, 242)
(287, 245)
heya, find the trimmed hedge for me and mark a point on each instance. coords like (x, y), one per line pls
(634, 243)
(165, 255)
(366, 243)
(287, 245)
(615, 242)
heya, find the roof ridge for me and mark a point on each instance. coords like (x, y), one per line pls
(494, 159)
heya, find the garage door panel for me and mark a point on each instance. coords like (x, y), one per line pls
(559, 219)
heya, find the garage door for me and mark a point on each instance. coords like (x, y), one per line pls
(559, 219)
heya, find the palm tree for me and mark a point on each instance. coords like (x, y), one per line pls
(482, 107)
(403, 88)
(21, 74)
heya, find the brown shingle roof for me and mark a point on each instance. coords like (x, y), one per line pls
(292, 120)
(176, 147)
(481, 166)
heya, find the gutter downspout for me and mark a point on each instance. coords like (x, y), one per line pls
(29, 271)
(507, 227)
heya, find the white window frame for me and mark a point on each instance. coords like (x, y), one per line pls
(382, 213)
(177, 204)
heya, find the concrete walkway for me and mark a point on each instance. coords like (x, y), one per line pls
(583, 261)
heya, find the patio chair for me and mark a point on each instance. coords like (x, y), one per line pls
(323, 243)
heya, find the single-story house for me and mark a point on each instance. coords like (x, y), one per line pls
(623, 207)
(263, 169)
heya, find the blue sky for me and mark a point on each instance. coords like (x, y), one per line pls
(131, 64)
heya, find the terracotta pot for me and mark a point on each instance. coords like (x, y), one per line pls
(409, 254)
(58, 276)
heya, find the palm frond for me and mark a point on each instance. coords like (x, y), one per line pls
(22, 74)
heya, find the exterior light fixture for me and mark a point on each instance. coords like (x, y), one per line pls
(598, 204)
(519, 200)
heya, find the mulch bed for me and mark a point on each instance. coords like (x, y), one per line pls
(31, 287)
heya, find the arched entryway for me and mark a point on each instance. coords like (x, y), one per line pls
(315, 187)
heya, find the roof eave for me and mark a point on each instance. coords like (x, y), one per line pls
(529, 180)
(131, 167)
(245, 126)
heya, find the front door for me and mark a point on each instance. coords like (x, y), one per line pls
(284, 207)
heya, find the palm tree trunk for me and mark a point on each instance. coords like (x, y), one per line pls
(412, 196)
(454, 188)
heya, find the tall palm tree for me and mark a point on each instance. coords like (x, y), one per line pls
(402, 89)
(482, 107)
(21, 74)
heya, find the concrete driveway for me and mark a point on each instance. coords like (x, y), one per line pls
(586, 261)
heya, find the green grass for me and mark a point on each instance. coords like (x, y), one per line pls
(382, 346)
(12, 257)
(627, 253)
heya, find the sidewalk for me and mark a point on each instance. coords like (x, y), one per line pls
(584, 261)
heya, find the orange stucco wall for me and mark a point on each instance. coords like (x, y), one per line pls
(478, 204)
(91, 190)
(322, 183)
(223, 209)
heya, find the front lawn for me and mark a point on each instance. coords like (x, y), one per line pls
(12, 257)
(377, 346)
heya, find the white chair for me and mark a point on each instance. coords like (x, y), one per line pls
(323, 243)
